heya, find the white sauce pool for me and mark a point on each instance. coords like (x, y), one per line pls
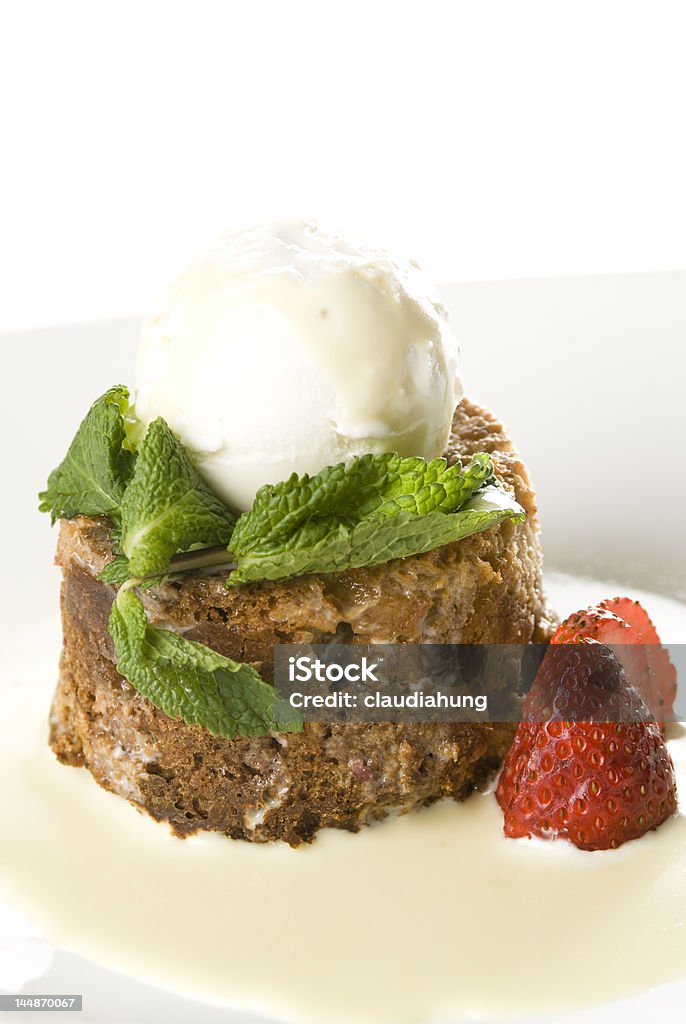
(431, 915)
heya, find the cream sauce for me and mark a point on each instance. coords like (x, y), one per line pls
(434, 914)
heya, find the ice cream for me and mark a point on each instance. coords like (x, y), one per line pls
(287, 348)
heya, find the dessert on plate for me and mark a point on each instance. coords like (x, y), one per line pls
(300, 465)
(286, 350)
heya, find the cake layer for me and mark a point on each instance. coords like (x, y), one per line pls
(484, 589)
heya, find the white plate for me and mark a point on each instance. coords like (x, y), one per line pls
(587, 371)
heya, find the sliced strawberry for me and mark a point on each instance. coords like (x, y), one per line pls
(595, 623)
(598, 785)
(587, 763)
(583, 682)
(661, 688)
(625, 626)
(635, 614)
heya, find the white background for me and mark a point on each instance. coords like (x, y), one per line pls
(489, 139)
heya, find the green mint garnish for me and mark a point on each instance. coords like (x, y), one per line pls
(166, 506)
(379, 508)
(116, 572)
(187, 680)
(91, 479)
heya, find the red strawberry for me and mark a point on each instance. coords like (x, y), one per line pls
(660, 692)
(595, 623)
(599, 783)
(583, 682)
(624, 625)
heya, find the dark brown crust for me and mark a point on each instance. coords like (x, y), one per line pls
(483, 589)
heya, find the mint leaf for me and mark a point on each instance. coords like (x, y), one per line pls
(90, 480)
(167, 507)
(371, 483)
(116, 572)
(409, 534)
(187, 680)
(377, 509)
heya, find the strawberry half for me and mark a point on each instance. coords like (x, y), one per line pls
(660, 690)
(587, 763)
(583, 683)
(625, 626)
(598, 785)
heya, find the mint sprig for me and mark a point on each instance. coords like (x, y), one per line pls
(189, 681)
(379, 508)
(370, 484)
(166, 506)
(92, 477)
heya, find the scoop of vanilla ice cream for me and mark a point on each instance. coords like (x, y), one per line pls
(287, 348)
